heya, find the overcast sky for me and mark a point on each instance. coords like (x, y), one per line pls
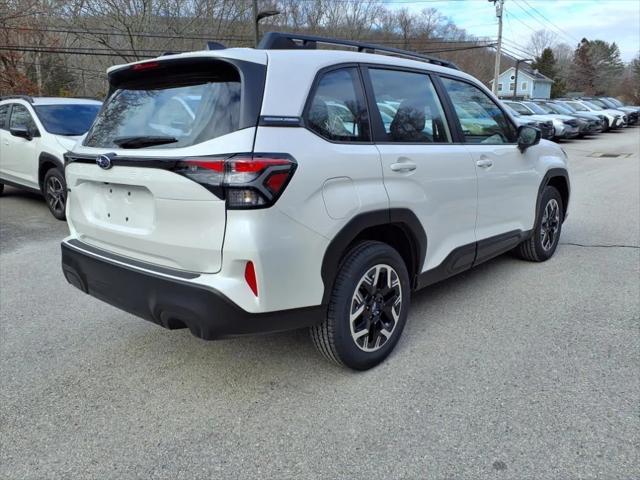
(610, 20)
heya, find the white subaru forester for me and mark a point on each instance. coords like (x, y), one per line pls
(237, 191)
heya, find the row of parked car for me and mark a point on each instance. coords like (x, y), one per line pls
(566, 118)
(36, 132)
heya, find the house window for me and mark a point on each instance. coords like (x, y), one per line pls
(524, 85)
(513, 77)
(512, 86)
(499, 87)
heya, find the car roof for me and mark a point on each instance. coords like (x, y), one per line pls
(314, 58)
(64, 101)
(51, 100)
(285, 100)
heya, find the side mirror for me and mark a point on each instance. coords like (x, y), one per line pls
(21, 131)
(527, 137)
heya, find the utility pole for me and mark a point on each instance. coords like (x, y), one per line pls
(496, 69)
(255, 22)
(518, 62)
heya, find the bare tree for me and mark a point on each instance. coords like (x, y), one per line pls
(540, 40)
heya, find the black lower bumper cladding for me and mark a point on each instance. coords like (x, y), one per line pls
(173, 303)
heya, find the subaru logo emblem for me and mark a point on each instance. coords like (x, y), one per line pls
(104, 162)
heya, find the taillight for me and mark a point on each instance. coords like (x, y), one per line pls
(139, 67)
(244, 180)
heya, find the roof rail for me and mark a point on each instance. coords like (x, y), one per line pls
(26, 98)
(294, 41)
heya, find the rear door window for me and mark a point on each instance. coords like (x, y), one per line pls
(409, 107)
(186, 110)
(337, 110)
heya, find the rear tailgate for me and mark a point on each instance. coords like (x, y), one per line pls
(149, 214)
(126, 194)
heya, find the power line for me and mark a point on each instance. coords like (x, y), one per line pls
(74, 52)
(133, 34)
(210, 37)
(515, 46)
(549, 21)
(512, 17)
(489, 45)
(543, 23)
(143, 53)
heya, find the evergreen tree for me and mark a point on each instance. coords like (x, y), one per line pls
(608, 66)
(583, 73)
(546, 65)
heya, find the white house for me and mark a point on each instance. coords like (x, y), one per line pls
(531, 83)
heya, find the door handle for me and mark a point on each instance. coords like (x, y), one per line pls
(403, 167)
(484, 163)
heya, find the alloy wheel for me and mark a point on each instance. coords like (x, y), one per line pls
(55, 194)
(375, 308)
(550, 225)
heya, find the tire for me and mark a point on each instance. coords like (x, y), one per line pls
(546, 233)
(54, 189)
(355, 290)
(1, 188)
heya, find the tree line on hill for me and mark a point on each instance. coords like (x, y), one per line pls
(593, 67)
(63, 47)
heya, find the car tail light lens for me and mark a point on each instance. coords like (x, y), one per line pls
(244, 180)
(138, 67)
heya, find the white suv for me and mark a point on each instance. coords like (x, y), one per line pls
(289, 199)
(35, 133)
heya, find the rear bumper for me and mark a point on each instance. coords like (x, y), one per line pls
(173, 302)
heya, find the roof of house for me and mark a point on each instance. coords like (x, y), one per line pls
(534, 73)
(528, 71)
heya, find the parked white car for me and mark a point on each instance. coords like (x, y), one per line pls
(35, 133)
(564, 125)
(615, 118)
(288, 202)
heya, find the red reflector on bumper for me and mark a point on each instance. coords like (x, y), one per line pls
(250, 277)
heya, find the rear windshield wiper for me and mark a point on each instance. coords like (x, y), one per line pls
(143, 141)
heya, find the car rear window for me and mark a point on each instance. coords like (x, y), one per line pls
(190, 107)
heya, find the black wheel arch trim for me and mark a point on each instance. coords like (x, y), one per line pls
(551, 174)
(45, 158)
(395, 217)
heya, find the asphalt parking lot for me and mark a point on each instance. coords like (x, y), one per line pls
(513, 370)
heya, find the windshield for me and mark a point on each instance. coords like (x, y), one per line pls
(616, 102)
(521, 109)
(600, 103)
(536, 108)
(593, 106)
(188, 114)
(567, 107)
(72, 119)
(558, 108)
(512, 111)
(578, 106)
(606, 103)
